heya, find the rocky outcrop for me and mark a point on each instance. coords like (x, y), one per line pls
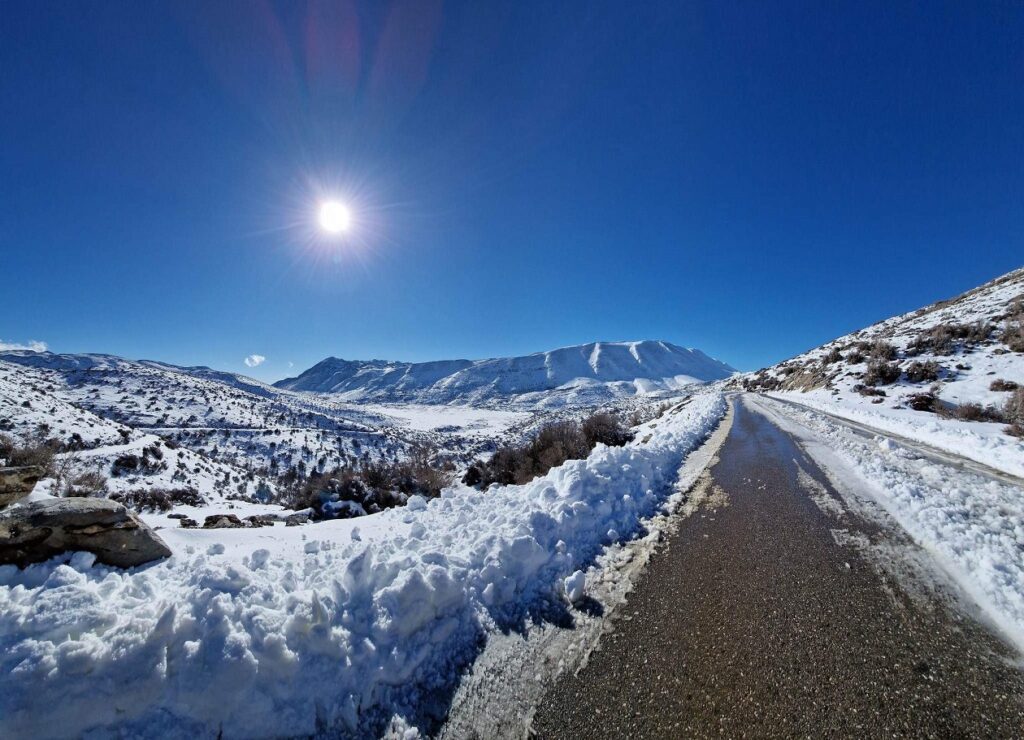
(222, 521)
(37, 531)
(17, 483)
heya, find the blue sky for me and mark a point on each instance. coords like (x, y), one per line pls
(748, 178)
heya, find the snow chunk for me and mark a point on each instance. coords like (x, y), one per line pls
(574, 586)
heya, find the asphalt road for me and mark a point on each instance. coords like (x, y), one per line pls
(753, 621)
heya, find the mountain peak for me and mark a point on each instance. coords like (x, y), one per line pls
(584, 372)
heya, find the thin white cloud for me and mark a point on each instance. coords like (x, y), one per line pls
(33, 345)
(254, 360)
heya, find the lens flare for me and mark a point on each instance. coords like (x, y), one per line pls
(334, 217)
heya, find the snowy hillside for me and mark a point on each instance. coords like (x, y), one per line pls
(949, 374)
(31, 408)
(586, 373)
(223, 435)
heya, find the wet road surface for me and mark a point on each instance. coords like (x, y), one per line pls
(752, 621)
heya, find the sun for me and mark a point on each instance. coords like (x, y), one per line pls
(334, 217)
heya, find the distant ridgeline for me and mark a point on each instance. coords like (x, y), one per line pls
(595, 371)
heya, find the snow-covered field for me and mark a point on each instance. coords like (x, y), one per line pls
(972, 524)
(338, 626)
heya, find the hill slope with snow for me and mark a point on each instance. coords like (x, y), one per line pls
(949, 374)
(586, 373)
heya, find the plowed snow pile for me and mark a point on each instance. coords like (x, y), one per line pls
(334, 627)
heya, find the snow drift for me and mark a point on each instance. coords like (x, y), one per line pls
(334, 627)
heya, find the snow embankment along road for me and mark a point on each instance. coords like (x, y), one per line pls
(971, 523)
(337, 626)
(983, 442)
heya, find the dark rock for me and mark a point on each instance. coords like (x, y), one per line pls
(176, 516)
(17, 483)
(222, 521)
(39, 530)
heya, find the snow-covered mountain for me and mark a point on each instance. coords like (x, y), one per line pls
(586, 373)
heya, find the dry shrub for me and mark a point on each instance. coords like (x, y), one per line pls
(833, 356)
(159, 499)
(923, 372)
(1003, 385)
(374, 484)
(552, 446)
(603, 428)
(36, 452)
(1013, 336)
(881, 350)
(924, 402)
(866, 390)
(90, 483)
(975, 412)
(1013, 411)
(881, 373)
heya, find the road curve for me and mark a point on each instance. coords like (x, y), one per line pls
(754, 621)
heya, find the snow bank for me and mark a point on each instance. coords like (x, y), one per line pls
(974, 525)
(983, 442)
(339, 625)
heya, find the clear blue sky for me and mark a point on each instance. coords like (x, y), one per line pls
(748, 178)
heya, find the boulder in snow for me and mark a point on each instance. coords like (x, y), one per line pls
(299, 517)
(39, 530)
(222, 521)
(17, 483)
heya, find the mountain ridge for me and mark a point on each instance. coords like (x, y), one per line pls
(583, 370)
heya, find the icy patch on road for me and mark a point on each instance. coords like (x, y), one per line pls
(332, 627)
(972, 524)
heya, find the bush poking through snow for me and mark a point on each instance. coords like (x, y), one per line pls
(924, 402)
(923, 372)
(38, 453)
(881, 350)
(89, 483)
(833, 356)
(974, 412)
(947, 338)
(367, 488)
(881, 373)
(867, 390)
(1003, 385)
(553, 445)
(1013, 336)
(159, 499)
(1013, 412)
(604, 428)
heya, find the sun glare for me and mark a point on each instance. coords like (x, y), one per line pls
(334, 217)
